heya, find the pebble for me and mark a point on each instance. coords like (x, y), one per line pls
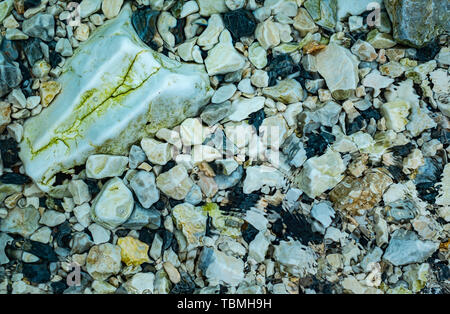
(257, 249)
(192, 132)
(144, 186)
(41, 25)
(140, 283)
(207, 8)
(259, 176)
(257, 55)
(298, 259)
(396, 114)
(136, 157)
(82, 32)
(304, 23)
(268, 34)
(210, 36)
(241, 108)
(111, 8)
(224, 58)
(218, 266)
(287, 91)
(132, 251)
(240, 22)
(48, 90)
(142, 217)
(324, 213)
(99, 234)
(52, 218)
(88, 7)
(22, 221)
(104, 166)
(103, 261)
(175, 183)
(223, 93)
(214, 113)
(113, 205)
(64, 47)
(10, 75)
(172, 272)
(157, 152)
(323, 12)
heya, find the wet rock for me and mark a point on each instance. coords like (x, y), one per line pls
(298, 259)
(104, 166)
(144, 23)
(103, 261)
(175, 183)
(240, 23)
(10, 75)
(323, 12)
(157, 152)
(241, 108)
(23, 221)
(339, 68)
(144, 186)
(417, 22)
(136, 157)
(133, 252)
(140, 283)
(41, 25)
(405, 248)
(287, 91)
(80, 191)
(259, 176)
(36, 273)
(113, 205)
(219, 267)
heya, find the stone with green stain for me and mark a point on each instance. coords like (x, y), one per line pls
(417, 22)
(5, 8)
(323, 12)
(115, 90)
(380, 40)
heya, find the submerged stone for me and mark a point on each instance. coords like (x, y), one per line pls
(125, 91)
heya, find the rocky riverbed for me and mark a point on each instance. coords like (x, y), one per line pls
(224, 146)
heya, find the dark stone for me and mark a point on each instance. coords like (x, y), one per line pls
(121, 233)
(431, 171)
(144, 23)
(240, 201)
(427, 191)
(32, 50)
(31, 3)
(281, 66)
(317, 144)
(14, 178)
(428, 52)
(240, 23)
(174, 245)
(61, 234)
(298, 227)
(442, 135)
(256, 119)
(169, 165)
(356, 125)
(61, 177)
(277, 228)
(402, 150)
(36, 273)
(249, 232)
(146, 235)
(306, 199)
(397, 173)
(176, 8)
(58, 287)
(185, 286)
(41, 250)
(208, 232)
(167, 237)
(92, 186)
(9, 49)
(371, 113)
(9, 152)
(10, 75)
(54, 58)
(159, 205)
(178, 31)
(26, 88)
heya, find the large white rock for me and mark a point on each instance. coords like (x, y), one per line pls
(113, 205)
(339, 68)
(115, 90)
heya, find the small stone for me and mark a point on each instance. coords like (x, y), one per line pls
(48, 90)
(268, 34)
(259, 176)
(287, 91)
(405, 248)
(380, 40)
(189, 7)
(136, 157)
(364, 51)
(83, 214)
(64, 47)
(142, 217)
(323, 12)
(392, 69)
(41, 25)
(339, 68)
(82, 32)
(214, 113)
(133, 252)
(80, 191)
(304, 23)
(88, 7)
(99, 234)
(224, 58)
(241, 108)
(5, 9)
(240, 23)
(15, 34)
(140, 283)
(294, 150)
(23, 221)
(298, 259)
(5, 115)
(355, 23)
(210, 36)
(41, 69)
(10, 75)
(144, 186)
(111, 8)
(320, 174)
(207, 7)
(192, 132)
(218, 266)
(52, 218)
(113, 205)
(396, 114)
(206, 153)
(157, 152)
(257, 249)
(376, 81)
(260, 78)
(257, 55)
(190, 220)
(103, 261)
(104, 166)
(175, 183)
(323, 213)
(223, 93)
(172, 272)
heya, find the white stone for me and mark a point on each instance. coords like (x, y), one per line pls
(111, 8)
(80, 191)
(210, 36)
(234, 4)
(185, 49)
(241, 108)
(140, 283)
(103, 261)
(257, 249)
(396, 114)
(104, 166)
(192, 132)
(224, 58)
(88, 7)
(257, 55)
(259, 176)
(376, 81)
(287, 91)
(219, 267)
(52, 218)
(268, 34)
(157, 152)
(99, 234)
(260, 78)
(298, 259)
(246, 87)
(113, 205)
(223, 93)
(144, 186)
(175, 183)
(206, 153)
(83, 215)
(42, 235)
(208, 7)
(323, 213)
(165, 22)
(189, 8)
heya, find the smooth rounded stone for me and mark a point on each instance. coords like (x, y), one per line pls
(259, 176)
(355, 195)
(260, 78)
(103, 115)
(287, 91)
(172, 272)
(88, 7)
(405, 248)
(10, 75)
(111, 8)
(133, 252)
(157, 152)
(104, 166)
(323, 12)
(339, 67)
(393, 69)
(219, 267)
(48, 91)
(364, 51)
(396, 114)
(194, 196)
(82, 32)
(257, 55)
(64, 47)
(257, 249)
(214, 113)
(140, 283)
(417, 22)
(304, 23)
(189, 7)
(320, 174)
(192, 132)
(41, 25)
(380, 40)
(5, 9)
(268, 34)
(223, 93)
(103, 261)
(376, 81)
(208, 7)
(246, 87)
(52, 218)
(224, 58)
(175, 183)
(42, 235)
(144, 186)
(210, 36)
(240, 23)
(113, 205)
(298, 259)
(142, 217)
(190, 220)
(136, 157)
(4, 241)
(102, 287)
(23, 221)
(241, 108)
(227, 181)
(99, 234)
